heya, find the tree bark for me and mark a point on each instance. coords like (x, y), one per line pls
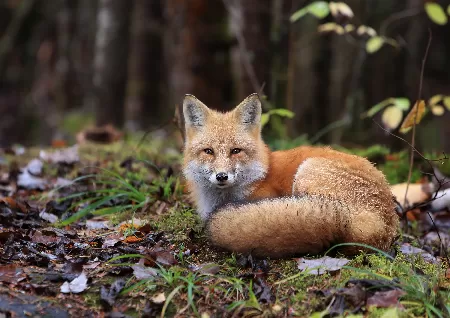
(144, 105)
(250, 23)
(196, 56)
(307, 67)
(110, 60)
(65, 90)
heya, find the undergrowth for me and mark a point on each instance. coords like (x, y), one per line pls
(121, 193)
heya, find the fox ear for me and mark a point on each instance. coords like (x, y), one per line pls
(249, 111)
(195, 112)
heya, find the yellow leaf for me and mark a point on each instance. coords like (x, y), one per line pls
(349, 28)
(363, 29)
(392, 117)
(333, 8)
(374, 44)
(414, 117)
(447, 102)
(344, 9)
(327, 27)
(340, 30)
(436, 13)
(437, 110)
(435, 99)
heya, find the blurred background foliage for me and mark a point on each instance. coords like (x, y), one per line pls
(66, 64)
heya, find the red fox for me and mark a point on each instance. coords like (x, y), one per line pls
(282, 203)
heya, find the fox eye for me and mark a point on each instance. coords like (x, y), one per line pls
(235, 151)
(208, 151)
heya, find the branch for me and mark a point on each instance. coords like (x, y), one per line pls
(419, 97)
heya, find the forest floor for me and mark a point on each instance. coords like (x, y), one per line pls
(105, 231)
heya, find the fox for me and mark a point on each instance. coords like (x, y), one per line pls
(282, 203)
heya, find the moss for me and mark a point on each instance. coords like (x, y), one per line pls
(179, 221)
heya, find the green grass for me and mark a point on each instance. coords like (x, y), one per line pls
(231, 290)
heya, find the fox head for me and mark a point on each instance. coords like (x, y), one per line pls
(224, 151)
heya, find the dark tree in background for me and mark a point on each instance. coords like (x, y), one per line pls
(146, 78)
(196, 58)
(130, 62)
(111, 60)
(250, 24)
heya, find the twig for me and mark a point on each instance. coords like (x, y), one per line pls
(440, 183)
(398, 16)
(419, 97)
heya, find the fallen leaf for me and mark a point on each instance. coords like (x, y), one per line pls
(321, 265)
(92, 265)
(163, 257)
(262, 291)
(30, 182)
(158, 298)
(207, 268)
(142, 272)
(49, 217)
(11, 274)
(66, 155)
(417, 193)
(108, 294)
(97, 223)
(433, 239)
(441, 201)
(386, 299)
(104, 134)
(408, 249)
(59, 143)
(76, 286)
(35, 167)
(38, 237)
(13, 204)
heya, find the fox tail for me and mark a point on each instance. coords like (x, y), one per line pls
(301, 224)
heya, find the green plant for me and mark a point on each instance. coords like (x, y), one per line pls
(113, 188)
(321, 9)
(421, 292)
(436, 13)
(394, 109)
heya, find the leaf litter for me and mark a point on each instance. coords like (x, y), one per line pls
(40, 258)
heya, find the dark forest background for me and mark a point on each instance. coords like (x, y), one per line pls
(65, 64)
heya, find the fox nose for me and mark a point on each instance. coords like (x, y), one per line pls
(221, 177)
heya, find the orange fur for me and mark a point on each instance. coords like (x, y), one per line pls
(280, 203)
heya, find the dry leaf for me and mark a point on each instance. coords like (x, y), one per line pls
(417, 193)
(415, 115)
(76, 286)
(321, 265)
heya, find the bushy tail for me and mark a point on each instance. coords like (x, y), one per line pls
(298, 225)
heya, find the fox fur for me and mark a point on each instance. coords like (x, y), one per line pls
(282, 203)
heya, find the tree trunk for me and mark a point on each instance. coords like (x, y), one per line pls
(144, 103)
(110, 60)
(250, 23)
(84, 49)
(196, 60)
(307, 65)
(65, 90)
